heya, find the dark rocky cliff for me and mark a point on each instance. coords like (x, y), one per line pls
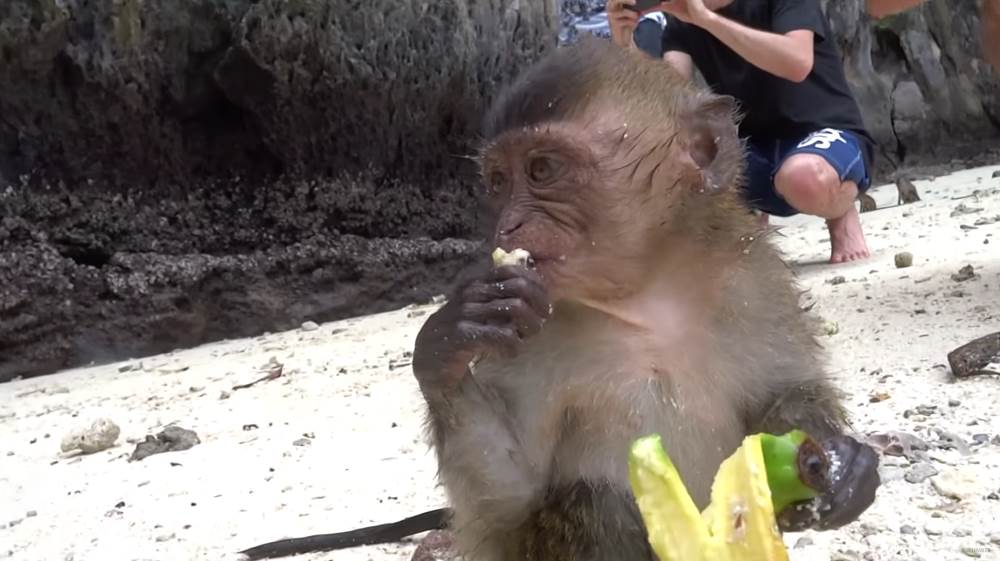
(179, 171)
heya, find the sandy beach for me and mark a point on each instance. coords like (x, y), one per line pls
(335, 442)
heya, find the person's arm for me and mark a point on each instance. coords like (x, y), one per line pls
(622, 22)
(674, 44)
(681, 62)
(881, 8)
(786, 55)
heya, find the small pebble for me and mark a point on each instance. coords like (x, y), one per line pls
(164, 537)
(961, 532)
(907, 530)
(224, 394)
(878, 396)
(302, 442)
(31, 513)
(310, 326)
(804, 541)
(904, 259)
(996, 174)
(995, 538)
(831, 327)
(934, 528)
(956, 483)
(844, 556)
(869, 529)
(980, 438)
(920, 473)
(954, 403)
(100, 435)
(965, 273)
(196, 389)
(839, 279)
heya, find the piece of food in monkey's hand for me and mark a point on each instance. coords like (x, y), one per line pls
(519, 257)
(763, 476)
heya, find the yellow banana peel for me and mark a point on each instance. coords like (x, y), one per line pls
(739, 524)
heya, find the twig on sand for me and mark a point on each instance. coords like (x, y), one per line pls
(274, 371)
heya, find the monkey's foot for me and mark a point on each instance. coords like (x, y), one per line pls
(847, 239)
(437, 545)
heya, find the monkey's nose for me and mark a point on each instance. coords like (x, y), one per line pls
(508, 227)
(506, 230)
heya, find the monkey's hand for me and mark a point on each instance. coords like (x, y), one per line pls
(491, 315)
(854, 480)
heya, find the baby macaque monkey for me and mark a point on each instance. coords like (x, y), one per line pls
(651, 303)
(651, 306)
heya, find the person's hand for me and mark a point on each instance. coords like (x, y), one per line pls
(688, 11)
(622, 22)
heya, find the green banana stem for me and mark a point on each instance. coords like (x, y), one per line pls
(796, 467)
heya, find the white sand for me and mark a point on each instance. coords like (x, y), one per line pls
(367, 462)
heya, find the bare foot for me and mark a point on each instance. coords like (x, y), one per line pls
(847, 240)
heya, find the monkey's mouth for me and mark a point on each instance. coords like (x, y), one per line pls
(546, 266)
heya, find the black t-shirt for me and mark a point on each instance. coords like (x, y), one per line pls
(772, 106)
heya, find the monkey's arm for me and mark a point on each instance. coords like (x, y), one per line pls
(481, 460)
(815, 408)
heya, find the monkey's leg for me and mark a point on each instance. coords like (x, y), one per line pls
(868, 204)
(491, 482)
(816, 408)
(907, 191)
(585, 522)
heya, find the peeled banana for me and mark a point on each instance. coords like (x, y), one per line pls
(517, 257)
(760, 478)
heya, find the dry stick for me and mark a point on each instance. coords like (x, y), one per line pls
(972, 358)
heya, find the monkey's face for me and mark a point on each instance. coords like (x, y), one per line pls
(566, 194)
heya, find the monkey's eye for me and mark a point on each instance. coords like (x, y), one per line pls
(543, 169)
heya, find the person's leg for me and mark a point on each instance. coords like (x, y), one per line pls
(758, 190)
(822, 175)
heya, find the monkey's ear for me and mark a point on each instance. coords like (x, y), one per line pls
(710, 137)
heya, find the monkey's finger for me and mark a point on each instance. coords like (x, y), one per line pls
(502, 340)
(510, 311)
(800, 516)
(530, 291)
(526, 284)
(515, 271)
